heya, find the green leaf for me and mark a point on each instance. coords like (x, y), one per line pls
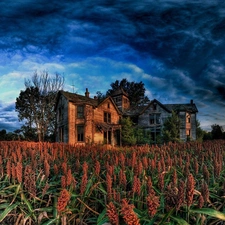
(166, 216)
(179, 220)
(210, 212)
(102, 218)
(49, 222)
(7, 211)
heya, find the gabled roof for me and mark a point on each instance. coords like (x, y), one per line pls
(75, 98)
(110, 98)
(158, 103)
(80, 99)
(190, 107)
(138, 110)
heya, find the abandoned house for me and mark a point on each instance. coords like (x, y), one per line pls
(82, 119)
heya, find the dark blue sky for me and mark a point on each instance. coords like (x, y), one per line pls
(176, 48)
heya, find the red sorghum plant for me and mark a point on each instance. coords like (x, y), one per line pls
(19, 172)
(181, 195)
(136, 189)
(190, 186)
(30, 181)
(152, 203)
(171, 196)
(112, 214)
(128, 214)
(205, 191)
(63, 200)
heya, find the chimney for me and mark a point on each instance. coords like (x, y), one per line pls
(87, 93)
(191, 101)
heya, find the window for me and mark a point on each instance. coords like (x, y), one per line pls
(80, 132)
(157, 118)
(154, 118)
(80, 111)
(108, 105)
(154, 106)
(107, 117)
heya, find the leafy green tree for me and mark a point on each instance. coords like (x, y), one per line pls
(36, 104)
(217, 131)
(127, 132)
(199, 132)
(171, 129)
(135, 91)
(142, 136)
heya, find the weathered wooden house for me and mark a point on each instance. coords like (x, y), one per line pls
(81, 119)
(152, 116)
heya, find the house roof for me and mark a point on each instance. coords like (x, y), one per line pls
(134, 111)
(190, 107)
(72, 97)
(138, 110)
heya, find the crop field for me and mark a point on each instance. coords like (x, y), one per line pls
(43, 183)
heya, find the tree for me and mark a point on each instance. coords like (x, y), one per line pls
(127, 132)
(171, 128)
(135, 91)
(142, 136)
(36, 104)
(199, 132)
(217, 131)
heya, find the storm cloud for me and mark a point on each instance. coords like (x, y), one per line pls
(175, 47)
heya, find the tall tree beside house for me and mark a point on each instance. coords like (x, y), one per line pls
(127, 132)
(171, 129)
(36, 104)
(135, 91)
(199, 132)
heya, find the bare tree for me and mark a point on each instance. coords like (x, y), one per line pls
(37, 103)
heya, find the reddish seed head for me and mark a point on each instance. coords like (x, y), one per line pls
(112, 214)
(63, 200)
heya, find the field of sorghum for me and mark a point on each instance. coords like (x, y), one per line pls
(43, 183)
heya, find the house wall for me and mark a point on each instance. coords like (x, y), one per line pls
(71, 124)
(62, 121)
(182, 116)
(106, 106)
(144, 118)
(193, 126)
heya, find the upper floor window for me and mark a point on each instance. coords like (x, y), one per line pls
(154, 106)
(107, 117)
(80, 111)
(154, 118)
